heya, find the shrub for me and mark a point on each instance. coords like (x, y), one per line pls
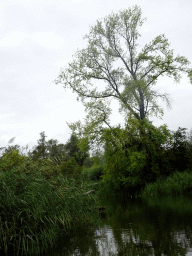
(176, 184)
(11, 159)
(178, 150)
(70, 167)
(124, 171)
(93, 173)
(135, 155)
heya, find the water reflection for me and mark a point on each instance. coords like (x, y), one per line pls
(162, 226)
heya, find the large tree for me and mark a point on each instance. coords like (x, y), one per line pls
(122, 69)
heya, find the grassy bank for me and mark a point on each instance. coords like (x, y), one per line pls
(34, 210)
(179, 183)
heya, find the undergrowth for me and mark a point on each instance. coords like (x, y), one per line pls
(35, 209)
(176, 184)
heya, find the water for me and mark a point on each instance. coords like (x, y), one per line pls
(161, 226)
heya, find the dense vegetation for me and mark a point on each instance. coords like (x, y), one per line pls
(115, 66)
(51, 188)
(42, 194)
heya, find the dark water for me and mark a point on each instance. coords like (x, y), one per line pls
(161, 226)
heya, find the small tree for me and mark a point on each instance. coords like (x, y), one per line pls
(40, 151)
(178, 150)
(55, 149)
(189, 149)
(129, 164)
(72, 150)
(70, 167)
(11, 158)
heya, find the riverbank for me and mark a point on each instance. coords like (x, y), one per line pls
(37, 206)
(178, 183)
(34, 210)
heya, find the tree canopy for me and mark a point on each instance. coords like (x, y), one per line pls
(114, 66)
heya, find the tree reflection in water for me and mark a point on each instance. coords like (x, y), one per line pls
(156, 227)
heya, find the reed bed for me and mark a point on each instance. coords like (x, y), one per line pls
(179, 183)
(34, 210)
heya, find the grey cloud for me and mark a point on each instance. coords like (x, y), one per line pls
(28, 65)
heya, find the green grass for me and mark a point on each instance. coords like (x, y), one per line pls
(179, 183)
(34, 210)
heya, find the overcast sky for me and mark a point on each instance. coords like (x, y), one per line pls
(38, 37)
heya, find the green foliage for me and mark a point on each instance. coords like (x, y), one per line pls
(35, 210)
(23, 164)
(98, 158)
(73, 149)
(47, 149)
(40, 151)
(158, 162)
(11, 159)
(9, 149)
(189, 149)
(70, 167)
(176, 184)
(93, 173)
(88, 162)
(124, 171)
(135, 155)
(47, 168)
(178, 150)
(38, 161)
(55, 149)
(124, 72)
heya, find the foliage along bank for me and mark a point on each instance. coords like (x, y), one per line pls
(42, 197)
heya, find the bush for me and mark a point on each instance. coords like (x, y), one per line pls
(70, 167)
(135, 155)
(124, 171)
(93, 173)
(178, 150)
(11, 159)
(176, 184)
(189, 149)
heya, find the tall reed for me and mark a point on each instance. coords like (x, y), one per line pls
(178, 183)
(33, 210)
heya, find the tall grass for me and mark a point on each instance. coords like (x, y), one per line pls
(34, 210)
(179, 183)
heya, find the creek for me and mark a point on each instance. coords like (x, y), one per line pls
(157, 227)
